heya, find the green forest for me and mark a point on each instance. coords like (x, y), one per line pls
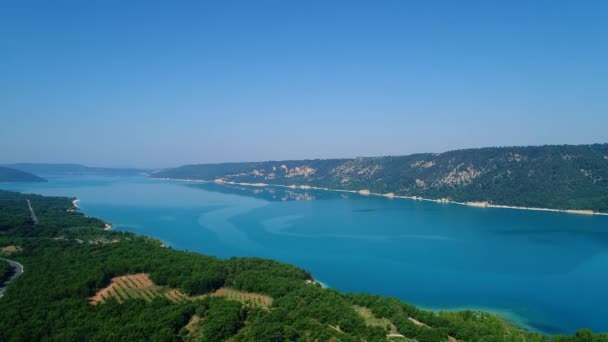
(557, 177)
(68, 259)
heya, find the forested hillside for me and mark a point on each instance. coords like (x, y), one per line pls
(13, 175)
(557, 177)
(84, 283)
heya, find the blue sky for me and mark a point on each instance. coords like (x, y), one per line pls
(156, 84)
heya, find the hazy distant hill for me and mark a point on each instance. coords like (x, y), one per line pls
(71, 169)
(13, 175)
(560, 177)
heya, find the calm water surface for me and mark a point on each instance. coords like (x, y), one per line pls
(548, 271)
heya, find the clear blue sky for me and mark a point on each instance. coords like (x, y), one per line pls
(155, 84)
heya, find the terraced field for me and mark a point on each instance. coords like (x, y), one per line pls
(136, 286)
(140, 286)
(248, 298)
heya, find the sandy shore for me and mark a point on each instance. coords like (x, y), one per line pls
(568, 211)
(366, 192)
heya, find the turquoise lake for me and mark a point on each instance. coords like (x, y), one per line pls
(547, 271)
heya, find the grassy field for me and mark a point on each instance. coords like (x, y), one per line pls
(8, 250)
(193, 329)
(373, 321)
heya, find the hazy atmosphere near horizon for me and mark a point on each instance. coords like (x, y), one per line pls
(160, 84)
(304, 170)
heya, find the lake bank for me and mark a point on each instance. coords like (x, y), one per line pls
(365, 192)
(435, 256)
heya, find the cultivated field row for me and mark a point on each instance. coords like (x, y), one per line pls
(140, 286)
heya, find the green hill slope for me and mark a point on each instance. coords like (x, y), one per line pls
(13, 175)
(557, 177)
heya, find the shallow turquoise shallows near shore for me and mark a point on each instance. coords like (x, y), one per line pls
(543, 270)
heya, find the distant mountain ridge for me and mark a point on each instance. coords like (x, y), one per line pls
(71, 169)
(568, 177)
(13, 175)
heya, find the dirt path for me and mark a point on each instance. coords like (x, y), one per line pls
(34, 218)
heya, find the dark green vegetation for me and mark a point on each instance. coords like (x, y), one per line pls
(68, 258)
(558, 177)
(5, 271)
(72, 169)
(13, 175)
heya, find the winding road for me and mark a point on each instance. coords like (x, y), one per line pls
(17, 271)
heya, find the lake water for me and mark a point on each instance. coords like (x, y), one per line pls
(547, 271)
